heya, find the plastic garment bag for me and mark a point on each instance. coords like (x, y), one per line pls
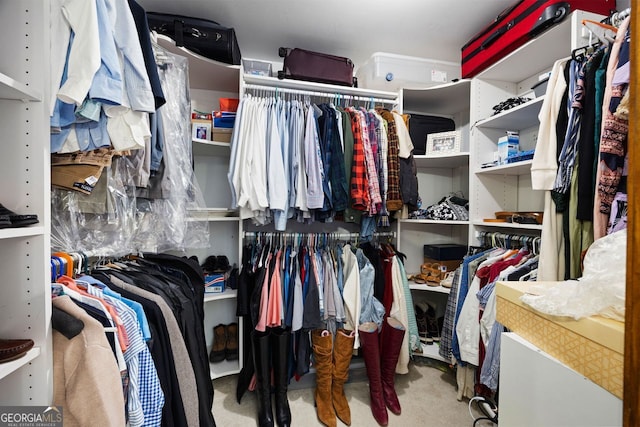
(601, 289)
(120, 217)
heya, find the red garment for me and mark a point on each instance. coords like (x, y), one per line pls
(359, 190)
(387, 264)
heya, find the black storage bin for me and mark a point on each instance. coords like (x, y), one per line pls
(420, 126)
(445, 251)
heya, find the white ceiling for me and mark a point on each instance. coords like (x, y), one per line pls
(426, 28)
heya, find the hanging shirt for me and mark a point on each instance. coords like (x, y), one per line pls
(274, 308)
(137, 88)
(370, 164)
(264, 297)
(313, 162)
(299, 159)
(298, 297)
(394, 200)
(84, 56)
(276, 176)
(360, 199)
(351, 292)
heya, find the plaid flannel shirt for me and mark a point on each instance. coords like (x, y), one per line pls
(359, 181)
(370, 163)
(394, 201)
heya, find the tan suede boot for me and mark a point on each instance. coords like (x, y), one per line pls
(342, 352)
(322, 353)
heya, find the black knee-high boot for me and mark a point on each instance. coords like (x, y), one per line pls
(281, 345)
(262, 364)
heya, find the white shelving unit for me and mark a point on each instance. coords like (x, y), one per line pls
(492, 189)
(448, 162)
(427, 288)
(203, 147)
(508, 187)
(437, 177)
(210, 80)
(25, 297)
(431, 351)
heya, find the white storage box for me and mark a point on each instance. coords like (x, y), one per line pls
(390, 72)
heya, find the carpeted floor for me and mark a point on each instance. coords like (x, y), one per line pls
(427, 395)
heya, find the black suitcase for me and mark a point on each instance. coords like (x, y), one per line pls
(201, 36)
(420, 126)
(301, 64)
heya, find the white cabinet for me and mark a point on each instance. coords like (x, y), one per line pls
(538, 390)
(25, 297)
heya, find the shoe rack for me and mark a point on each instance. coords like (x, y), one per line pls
(25, 298)
(438, 175)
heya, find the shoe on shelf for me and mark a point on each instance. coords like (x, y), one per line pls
(432, 273)
(14, 349)
(421, 320)
(433, 328)
(231, 350)
(218, 350)
(10, 219)
(447, 282)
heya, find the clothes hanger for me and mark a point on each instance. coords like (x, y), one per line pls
(604, 32)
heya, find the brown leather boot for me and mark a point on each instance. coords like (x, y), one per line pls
(231, 347)
(322, 344)
(342, 352)
(219, 344)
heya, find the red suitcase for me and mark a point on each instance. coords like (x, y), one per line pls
(518, 24)
(319, 67)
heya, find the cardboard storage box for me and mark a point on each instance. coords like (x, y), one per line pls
(445, 251)
(592, 346)
(214, 283)
(221, 134)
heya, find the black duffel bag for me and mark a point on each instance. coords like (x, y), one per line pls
(201, 36)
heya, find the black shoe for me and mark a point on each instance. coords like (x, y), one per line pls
(10, 219)
(433, 328)
(421, 320)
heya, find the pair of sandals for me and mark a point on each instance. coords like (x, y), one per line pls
(430, 274)
(434, 274)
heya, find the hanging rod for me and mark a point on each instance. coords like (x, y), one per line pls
(339, 235)
(617, 17)
(327, 94)
(504, 238)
